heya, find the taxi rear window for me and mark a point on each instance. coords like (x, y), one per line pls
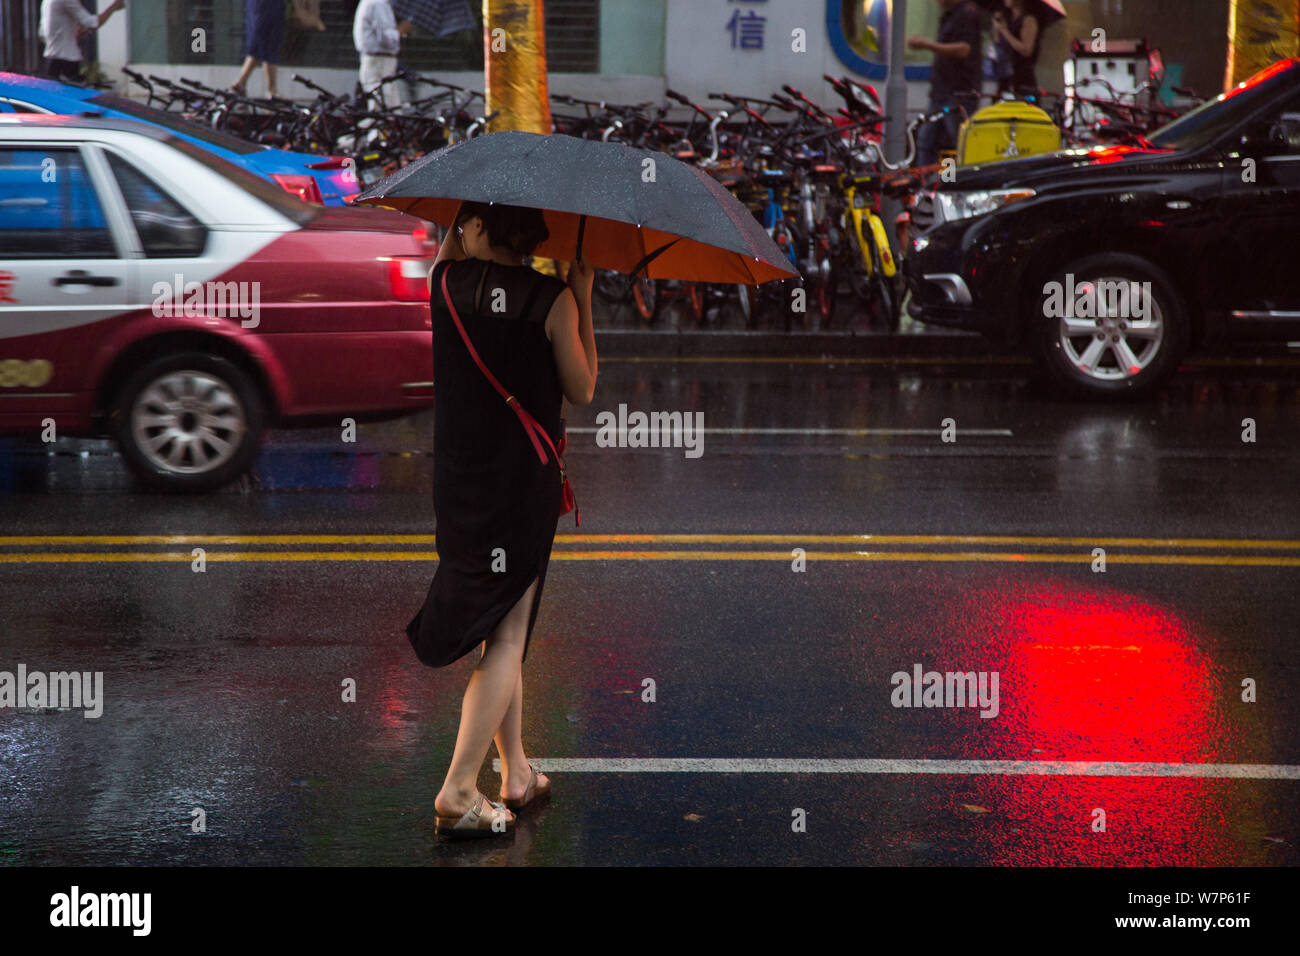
(279, 199)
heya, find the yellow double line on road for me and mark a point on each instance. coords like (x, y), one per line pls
(54, 549)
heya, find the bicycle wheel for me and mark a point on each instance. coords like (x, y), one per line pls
(824, 293)
(645, 298)
(886, 301)
(610, 286)
(694, 294)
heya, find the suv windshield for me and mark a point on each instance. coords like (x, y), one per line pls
(1215, 117)
(175, 123)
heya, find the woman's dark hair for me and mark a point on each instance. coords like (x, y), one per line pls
(520, 229)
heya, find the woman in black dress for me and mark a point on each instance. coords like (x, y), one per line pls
(496, 504)
(1016, 32)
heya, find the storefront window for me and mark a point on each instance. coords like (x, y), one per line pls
(211, 32)
(857, 15)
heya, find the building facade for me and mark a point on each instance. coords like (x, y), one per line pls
(627, 50)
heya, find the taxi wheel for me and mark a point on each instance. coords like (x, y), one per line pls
(189, 422)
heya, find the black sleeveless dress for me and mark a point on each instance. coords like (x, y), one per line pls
(1023, 75)
(495, 503)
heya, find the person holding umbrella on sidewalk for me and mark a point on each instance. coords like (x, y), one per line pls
(509, 344)
(1018, 31)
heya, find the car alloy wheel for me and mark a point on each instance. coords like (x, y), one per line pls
(1113, 345)
(188, 422)
(1109, 326)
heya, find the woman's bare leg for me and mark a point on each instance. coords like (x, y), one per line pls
(241, 84)
(515, 772)
(487, 698)
(270, 79)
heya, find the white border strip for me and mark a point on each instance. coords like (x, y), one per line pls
(1031, 768)
(851, 432)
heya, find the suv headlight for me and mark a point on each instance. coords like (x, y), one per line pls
(964, 205)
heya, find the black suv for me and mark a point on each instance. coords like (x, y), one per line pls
(1110, 262)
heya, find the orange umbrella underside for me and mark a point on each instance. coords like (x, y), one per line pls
(619, 246)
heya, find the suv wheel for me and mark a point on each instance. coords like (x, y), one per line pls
(188, 422)
(1115, 328)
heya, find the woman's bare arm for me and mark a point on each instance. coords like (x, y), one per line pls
(1023, 44)
(449, 248)
(568, 326)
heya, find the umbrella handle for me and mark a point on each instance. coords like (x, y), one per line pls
(582, 227)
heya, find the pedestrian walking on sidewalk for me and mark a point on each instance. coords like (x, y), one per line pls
(378, 36)
(263, 34)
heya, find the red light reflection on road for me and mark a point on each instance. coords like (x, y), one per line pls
(1105, 677)
(1100, 676)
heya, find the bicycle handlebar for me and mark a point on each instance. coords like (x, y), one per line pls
(299, 78)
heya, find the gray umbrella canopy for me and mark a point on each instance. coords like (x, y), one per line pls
(632, 207)
(438, 17)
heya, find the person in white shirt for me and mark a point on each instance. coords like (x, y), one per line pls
(377, 36)
(62, 24)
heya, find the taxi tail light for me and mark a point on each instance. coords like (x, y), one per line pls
(425, 238)
(343, 175)
(408, 278)
(304, 187)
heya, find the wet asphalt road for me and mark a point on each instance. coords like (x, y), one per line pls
(222, 689)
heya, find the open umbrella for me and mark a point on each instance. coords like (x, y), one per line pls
(629, 210)
(438, 17)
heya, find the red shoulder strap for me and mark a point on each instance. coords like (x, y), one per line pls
(531, 425)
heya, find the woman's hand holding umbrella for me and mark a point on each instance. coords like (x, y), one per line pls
(573, 336)
(581, 276)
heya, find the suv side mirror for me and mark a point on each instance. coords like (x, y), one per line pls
(1266, 142)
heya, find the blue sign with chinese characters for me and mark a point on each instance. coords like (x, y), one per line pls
(746, 29)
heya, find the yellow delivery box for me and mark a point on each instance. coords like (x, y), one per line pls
(1006, 130)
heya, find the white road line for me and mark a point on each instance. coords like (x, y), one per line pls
(1030, 768)
(982, 432)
